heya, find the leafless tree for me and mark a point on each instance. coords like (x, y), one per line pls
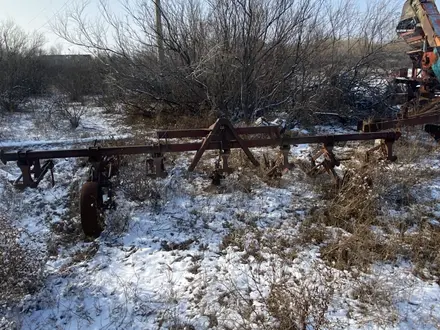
(238, 58)
(18, 64)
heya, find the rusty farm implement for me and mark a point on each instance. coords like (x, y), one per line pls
(419, 27)
(221, 136)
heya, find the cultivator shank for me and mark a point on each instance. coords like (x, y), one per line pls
(97, 192)
(32, 172)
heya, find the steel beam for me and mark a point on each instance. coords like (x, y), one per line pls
(396, 123)
(97, 152)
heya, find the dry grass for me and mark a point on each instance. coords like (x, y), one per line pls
(168, 119)
(312, 232)
(423, 249)
(413, 145)
(278, 300)
(256, 242)
(354, 231)
(362, 232)
(21, 266)
(374, 297)
(355, 203)
(299, 307)
(359, 250)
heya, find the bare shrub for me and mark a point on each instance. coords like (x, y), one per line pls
(359, 250)
(374, 297)
(363, 232)
(21, 267)
(239, 59)
(62, 110)
(18, 65)
(423, 249)
(170, 120)
(281, 300)
(75, 76)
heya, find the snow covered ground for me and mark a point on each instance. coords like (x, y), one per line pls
(193, 256)
(36, 127)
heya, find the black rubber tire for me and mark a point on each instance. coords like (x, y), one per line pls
(89, 208)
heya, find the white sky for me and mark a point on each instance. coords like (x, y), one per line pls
(34, 15)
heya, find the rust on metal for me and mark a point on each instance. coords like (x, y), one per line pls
(281, 164)
(90, 205)
(327, 165)
(221, 136)
(384, 124)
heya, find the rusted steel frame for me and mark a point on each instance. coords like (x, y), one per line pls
(32, 173)
(328, 164)
(280, 164)
(101, 172)
(223, 132)
(205, 144)
(331, 139)
(224, 155)
(386, 148)
(229, 131)
(96, 152)
(199, 133)
(389, 124)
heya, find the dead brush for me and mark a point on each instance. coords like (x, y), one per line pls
(164, 117)
(244, 176)
(255, 242)
(375, 301)
(368, 192)
(298, 307)
(413, 145)
(10, 200)
(21, 267)
(355, 202)
(276, 299)
(311, 232)
(359, 250)
(423, 249)
(243, 181)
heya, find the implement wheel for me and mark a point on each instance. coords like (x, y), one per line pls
(90, 202)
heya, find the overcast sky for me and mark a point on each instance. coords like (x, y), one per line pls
(36, 14)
